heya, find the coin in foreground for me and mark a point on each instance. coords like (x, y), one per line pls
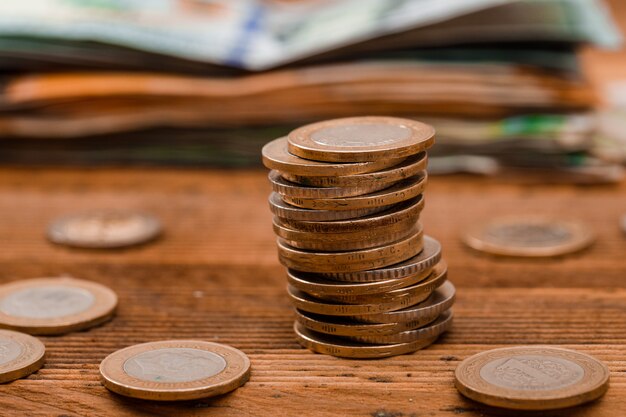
(53, 306)
(532, 378)
(529, 236)
(104, 229)
(20, 355)
(175, 370)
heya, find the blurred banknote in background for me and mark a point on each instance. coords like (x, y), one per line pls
(199, 82)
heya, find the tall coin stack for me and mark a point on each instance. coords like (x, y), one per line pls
(347, 195)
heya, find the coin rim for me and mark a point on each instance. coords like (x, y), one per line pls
(103, 308)
(507, 398)
(30, 360)
(114, 378)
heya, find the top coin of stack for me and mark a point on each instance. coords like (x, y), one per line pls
(347, 197)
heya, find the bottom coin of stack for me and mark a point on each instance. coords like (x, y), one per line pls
(402, 311)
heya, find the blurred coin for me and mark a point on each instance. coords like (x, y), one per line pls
(440, 300)
(276, 156)
(175, 370)
(343, 348)
(624, 223)
(318, 285)
(529, 236)
(104, 229)
(291, 189)
(426, 259)
(397, 213)
(52, 306)
(400, 191)
(435, 329)
(357, 139)
(532, 378)
(425, 288)
(287, 211)
(409, 167)
(20, 355)
(308, 261)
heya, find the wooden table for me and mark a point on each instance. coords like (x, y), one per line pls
(214, 276)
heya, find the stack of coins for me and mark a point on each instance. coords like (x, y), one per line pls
(365, 280)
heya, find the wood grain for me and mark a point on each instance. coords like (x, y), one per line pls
(214, 276)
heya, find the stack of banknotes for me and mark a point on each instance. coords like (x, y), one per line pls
(208, 82)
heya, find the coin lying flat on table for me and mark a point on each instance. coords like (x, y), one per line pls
(20, 355)
(52, 306)
(175, 370)
(104, 229)
(532, 378)
(358, 139)
(426, 259)
(287, 211)
(343, 348)
(400, 191)
(276, 156)
(529, 236)
(409, 167)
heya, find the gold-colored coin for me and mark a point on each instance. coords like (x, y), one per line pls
(276, 156)
(411, 166)
(440, 325)
(20, 355)
(175, 370)
(426, 259)
(400, 191)
(307, 302)
(358, 139)
(361, 260)
(104, 229)
(334, 242)
(439, 301)
(397, 213)
(344, 348)
(532, 378)
(318, 285)
(286, 211)
(292, 190)
(419, 290)
(52, 306)
(344, 326)
(529, 236)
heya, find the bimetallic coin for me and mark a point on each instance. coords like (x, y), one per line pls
(20, 355)
(400, 191)
(344, 348)
(360, 260)
(532, 378)
(407, 168)
(358, 139)
(104, 229)
(395, 214)
(276, 156)
(286, 211)
(345, 326)
(426, 259)
(175, 370)
(423, 289)
(290, 189)
(440, 325)
(316, 284)
(52, 306)
(439, 301)
(529, 236)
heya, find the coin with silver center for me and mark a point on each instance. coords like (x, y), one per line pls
(175, 370)
(20, 355)
(52, 306)
(529, 236)
(104, 229)
(532, 378)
